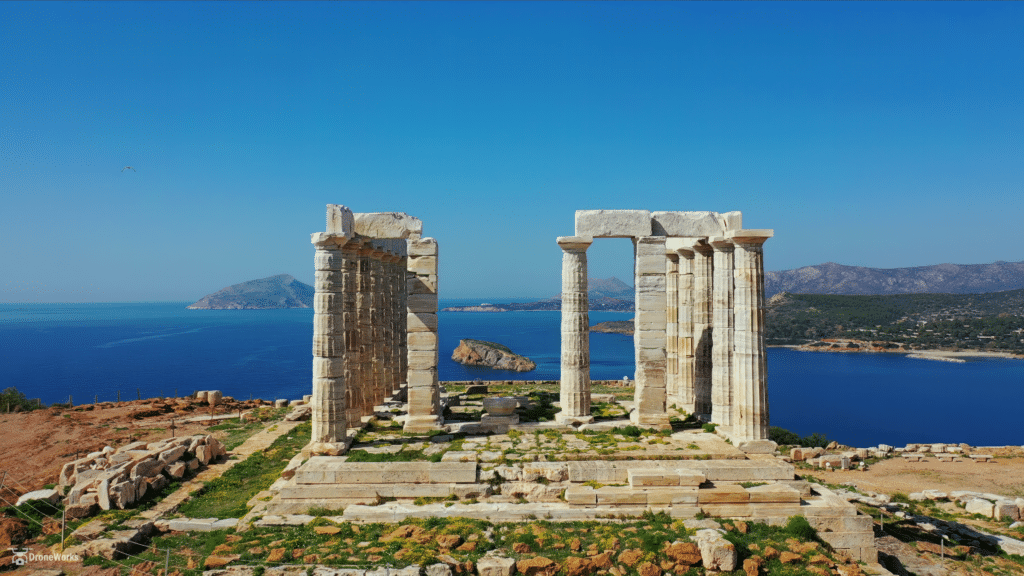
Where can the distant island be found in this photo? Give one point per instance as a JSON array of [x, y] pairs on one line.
[[491, 355], [605, 295], [281, 291], [614, 327]]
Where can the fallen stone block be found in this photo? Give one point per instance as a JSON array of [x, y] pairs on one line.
[[716, 552], [1006, 509], [48, 495], [980, 506]]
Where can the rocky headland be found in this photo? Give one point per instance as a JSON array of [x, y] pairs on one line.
[[614, 327], [281, 291], [490, 355]]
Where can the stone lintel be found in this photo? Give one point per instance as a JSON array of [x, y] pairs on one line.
[[340, 220], [574, 242], [388, 225], [687, 224], [329, 239], [613, 223], [676, 245], [750, 236]]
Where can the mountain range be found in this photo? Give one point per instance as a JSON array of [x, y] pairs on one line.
[[284, 291], [832, 278]]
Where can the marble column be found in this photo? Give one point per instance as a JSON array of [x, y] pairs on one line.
[[387, 327], [703, 282], [401, 319], [750, 386], [353, 360], [649, 333], [423, 389], [329, 418], [397, 325], [364, 299], [685, 355], [377, 324], [575, 378], [722, 320], [672, 326]]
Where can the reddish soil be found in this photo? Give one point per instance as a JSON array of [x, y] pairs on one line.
[[35, 445]]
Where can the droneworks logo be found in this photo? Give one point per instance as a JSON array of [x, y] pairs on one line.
[[23, 556]]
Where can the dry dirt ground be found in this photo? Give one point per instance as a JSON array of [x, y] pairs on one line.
[[35, 445], [1004, 475]]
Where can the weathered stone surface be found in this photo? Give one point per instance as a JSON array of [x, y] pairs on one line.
[[495, 565], [613, 223], [539, 566], [685, 553], [980, 506], [687, 224], [716, 552], [48, 495], [387, 225]]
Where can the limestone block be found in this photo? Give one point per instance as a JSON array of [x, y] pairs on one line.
[[280, 403], [48, 495], [158, 483], [581, 495], [859, 523], [422, 303], [192, 464], [734, 510], [122, 494], [387, 225], [934, 495], [723, 494], [758, 447], [203, 454], [980, 506], [455, 472], [620, 495], [716, 552], [650, 265], [613, 223], [495, 565], [687, 224], [848, 540], [422, 284], [777, 493], [690, 477], [147, 468], [103, 495], [1006, 509], [421, 322], [422, 265], [340, 220], [422, 341], [171, 455], [175, 470], [657, 477], [796, 454]]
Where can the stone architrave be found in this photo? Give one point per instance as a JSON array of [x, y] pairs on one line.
[[575, 377], [722, 320], [649, 332], [329, 385], [685, 396], [671, 325], [353, 361], [703, 283], [750, 386], [365, 304], [424, 395]]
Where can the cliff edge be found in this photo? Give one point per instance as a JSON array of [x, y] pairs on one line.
[[490, 355]]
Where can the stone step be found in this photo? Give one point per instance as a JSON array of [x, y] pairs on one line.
[[617, 472], [370, 492], [322, 470]]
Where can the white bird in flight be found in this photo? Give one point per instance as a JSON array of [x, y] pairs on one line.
[[127, 167]]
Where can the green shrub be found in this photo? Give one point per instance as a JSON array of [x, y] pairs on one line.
[[799, 526]]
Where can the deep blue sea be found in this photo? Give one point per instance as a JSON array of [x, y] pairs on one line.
[[50, 351]]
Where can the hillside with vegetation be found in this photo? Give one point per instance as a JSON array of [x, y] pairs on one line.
[[991, 322]]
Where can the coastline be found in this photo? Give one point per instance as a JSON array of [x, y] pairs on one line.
[[923, 354]]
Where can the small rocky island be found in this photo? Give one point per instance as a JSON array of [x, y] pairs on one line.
[[281, 291], [490, 355], [614, 327]]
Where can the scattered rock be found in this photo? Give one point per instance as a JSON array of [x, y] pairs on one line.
[[630, 557], [219, 561], [539, 566], [789, 558], [649, 569], [716, 552], [495, 565], [686, 553], [752, 566], [276, 555], [575, 566]]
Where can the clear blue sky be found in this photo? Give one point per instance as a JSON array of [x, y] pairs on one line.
[[873, 134]]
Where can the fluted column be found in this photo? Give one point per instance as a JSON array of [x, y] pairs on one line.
[[672, 326], [387, 327], [364, 298], [703, 282], [421, 322], [722, 349], [397, 327], [353, 334], [575, 378], [750, 386], [329, 385], [685, 357], [649, 334], [401, 320]]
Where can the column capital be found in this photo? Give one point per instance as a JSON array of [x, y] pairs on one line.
[[757, 237], [682, 246], [721, 243], [574, 243], [329, 240]]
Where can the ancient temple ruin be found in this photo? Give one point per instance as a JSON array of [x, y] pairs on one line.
[[375, 321], [699, 327]]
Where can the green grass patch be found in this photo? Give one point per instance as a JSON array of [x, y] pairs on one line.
[[225, 497]]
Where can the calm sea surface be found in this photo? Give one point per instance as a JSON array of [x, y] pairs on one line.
[[51, 351]]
